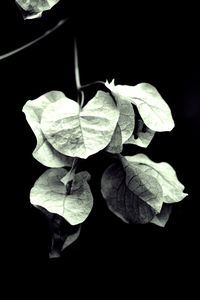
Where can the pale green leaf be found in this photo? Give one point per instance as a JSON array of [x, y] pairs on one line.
[[34, 8], [80, 132], [164, 174], [44, 152], [130, 194], [154, 111], [143, 138], [72, 201], [162, 218]]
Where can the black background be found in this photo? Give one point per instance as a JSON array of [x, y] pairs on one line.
[[132, 43]]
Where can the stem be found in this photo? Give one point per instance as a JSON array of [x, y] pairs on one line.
[[69, 176], [92, 83], [80, 94], [77, 75], [60, 23]]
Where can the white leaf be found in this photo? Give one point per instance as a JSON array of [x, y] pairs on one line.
[[153, 109], [162, 218], [165, 175], [78, 132], [72, 201], [34, 8], [143, 138], [44, 152]]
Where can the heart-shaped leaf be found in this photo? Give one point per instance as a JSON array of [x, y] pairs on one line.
[[73, 200], [80, 132], [34, 8], [153, 109], [44, 152]]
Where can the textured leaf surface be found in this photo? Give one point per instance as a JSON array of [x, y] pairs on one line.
[[135, 189], [126, 120], [80, 132], [165, 175], [162, 218], [72, 201], [34, 8], [144, 135], [153, 109], [115, 145], [129, 196], [44, 152]]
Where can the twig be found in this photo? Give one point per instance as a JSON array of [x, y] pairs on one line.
[[77, 74], [8, 54]]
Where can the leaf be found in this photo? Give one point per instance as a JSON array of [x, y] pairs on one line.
[[162, 218], [44, 152], [165, 175], [143, 138], [153, 109], [62, 234], [80, 132], [124, 128], [34, 8], [130, 194], [126, 120], [115, 145], [72, 201]]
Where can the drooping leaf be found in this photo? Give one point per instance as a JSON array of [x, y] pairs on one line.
[[34, 8], [164, 174], [162, 218], [131, 195], [73, 200], [143, 137], [80, 132], [44, 152], [153, 109], [62, 234]]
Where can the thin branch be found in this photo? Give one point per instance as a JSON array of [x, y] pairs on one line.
[[60, 23], [92, 83], [76, 67]]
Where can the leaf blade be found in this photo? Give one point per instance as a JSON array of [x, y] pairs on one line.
[[154, 111], [50, 193], [34, 8], [165, 174], [143, 138], [122, 200], [44, 152], [80, 133]]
